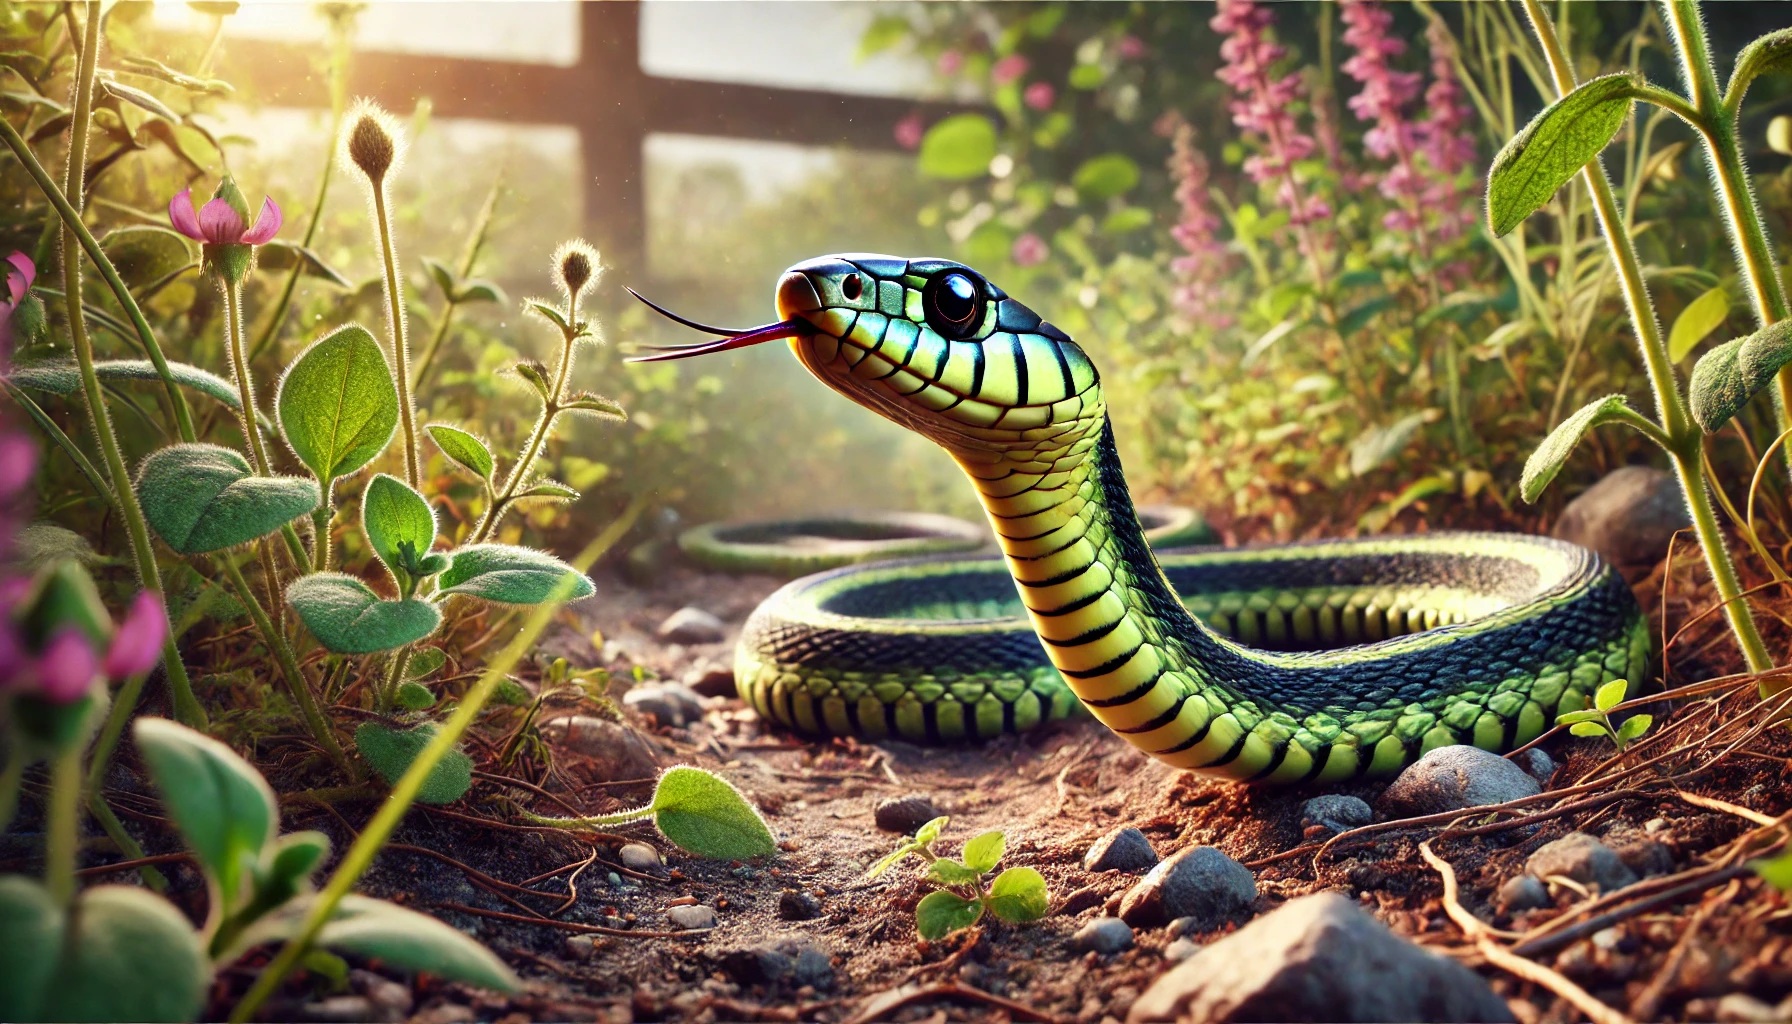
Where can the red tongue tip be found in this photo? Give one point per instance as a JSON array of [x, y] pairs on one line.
[[770, 332]]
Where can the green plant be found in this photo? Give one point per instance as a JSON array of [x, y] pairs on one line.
[[1017, 895], [697, 810], [1597, 721]]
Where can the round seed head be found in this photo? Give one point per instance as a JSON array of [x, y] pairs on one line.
[[576, 264], [373, 142]]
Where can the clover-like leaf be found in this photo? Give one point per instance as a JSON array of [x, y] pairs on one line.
[[1725, 378], [507, 574], [985, 851], [465, 449], [704, 814], [391, 751], [1610, 695], [1552, 454], [1565, 137], [338, 403], [940, 913], [223, 808], [400, 525], [31, 932], [1019, 895], [200, 498], [347, 617]]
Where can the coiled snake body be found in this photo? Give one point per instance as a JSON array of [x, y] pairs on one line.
[[1454, 638]]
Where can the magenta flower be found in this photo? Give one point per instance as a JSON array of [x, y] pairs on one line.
[[1447, 141], [1029, 250], [1202, 268], [1008, 69], [1039, 95], [137, 643], [18, 464], [67, 667], [1131, 47], [19, 273], [909, 131], [218, 222], [949, 63]]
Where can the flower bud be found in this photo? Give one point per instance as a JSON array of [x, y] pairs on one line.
[[67, 667], [373, 141], [577, 265], [137, 643]]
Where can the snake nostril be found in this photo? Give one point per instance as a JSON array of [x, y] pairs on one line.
[[852, 287]]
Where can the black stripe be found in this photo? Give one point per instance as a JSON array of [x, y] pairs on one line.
[[1189, 744], [1229, 756], [852, 717], [1064, 366], [1053, 581], [1275, 761], [1091, 636], [1036, 536], [1160, 721], [1007, 715], [1319, 761], [913, 344], [1104, 668], [1077, 605], [976, 371], [1020, 371], [930, 720], [1131, 695], [890, 729], [1060, 549]]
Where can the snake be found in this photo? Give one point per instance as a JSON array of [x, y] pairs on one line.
[[1299, 663]]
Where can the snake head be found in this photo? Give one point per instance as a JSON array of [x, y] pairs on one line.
[[929, 343]]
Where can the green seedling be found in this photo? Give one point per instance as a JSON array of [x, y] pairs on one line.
[[1597, 721], [1017, 895]]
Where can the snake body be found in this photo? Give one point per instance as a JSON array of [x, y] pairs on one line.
[[1446, 638]]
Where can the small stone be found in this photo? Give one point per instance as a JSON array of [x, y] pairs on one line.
[[691, 918], [339, 1010], [668, 703], [713, 680], [691, 625], [445, 1013], [1102, 935], [797, 905], [904, 814], [1451, 778], [641, 857], [1537, 764], [615, 751], [1318, 957], [1124, 849], [1641, 854], [1181, 950], [1198, 882], [1180, 927], [1523, 892], [1582, 858], [391, 1000], [1628, 516], [580, 947], [1335, 813], [775, 963]]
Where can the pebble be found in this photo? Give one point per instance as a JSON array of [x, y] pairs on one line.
[[580, 947], [712, 680], [691, 918], [1318, 957], [391, 1000], [692, 625], [1102, 935], [641, 857], [1124, 849], [1582, 858], [797, 905], [340, 1010], [904, 814], [1451, 778], [1198, 882], [1537, 764], [668, 703], [445, 1013], [775, 963], [1334, 813], [614, 750], [1180, 927], [1628, 516], [1181, 950], [1523, 892]]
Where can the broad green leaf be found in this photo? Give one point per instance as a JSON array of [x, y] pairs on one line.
[[705, 815], [480, 290], [40, 544], [1552, 454], [940, 913], [1633, 727], [1775, 871], [31, 928], [1377, 445], [958, 148], [425, 662], [1585, 715], [1126, 220], [133, 957], [1358, 318], [347, 617], [338, 403], [297, 855], [390, 752], [1566, 136], [414, 696], [200, 498], [946, 871], [930, 831], [223, 808], [279, 255], [1105, 177], [508, 574], [1696, 322], [144, 254], [1725, 378], [399, 523], [985, 851], [63, 377], [413, 941], [1610, 695], [1770, 54], [1589, 729], [1018, 895]]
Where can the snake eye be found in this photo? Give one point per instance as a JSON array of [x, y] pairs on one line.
[[954, 305], [852, 286]]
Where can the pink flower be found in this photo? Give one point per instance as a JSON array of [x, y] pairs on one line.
[[909, 131], [949, 63], [67, 667], [18, 464], [19, 273], [1029, 250], [1039, 95], [137, 643], [1199, 273], [1131, 47], [1008, 69], [220, 223]]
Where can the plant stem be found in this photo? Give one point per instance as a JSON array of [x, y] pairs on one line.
[[127, 844], [321, 518], [122, 706], [413, 467], [594, 821], [360, 856], [436, 337], [239, 367], [12, 778], [62, 825], [1683, 435], [550, 409], [475, 241]]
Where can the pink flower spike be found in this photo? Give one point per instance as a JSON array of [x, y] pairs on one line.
[[137, 645], [219, 224], [1029, 249], [67, 667], [267, 224], [18, 280], [909, 131], [1039, 95], [181, 215], [1008, 69]]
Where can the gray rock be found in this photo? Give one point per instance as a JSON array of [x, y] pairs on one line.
[[641, 857], [1124, 849], [1317, 958], [1199, 882], [391, 1000], [1102, 935], [904, 814], [1181, 950], [1628, 516], [669, 703], [1646, 857], [616, 751], [1582, 858], [690, 625], [581, 947], [1537, 765], [691, 918], [797, 905], [1522, 892], [1451, 778], [780, 962], [1335, 812]]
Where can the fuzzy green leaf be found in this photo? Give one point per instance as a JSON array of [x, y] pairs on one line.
[[479, 290], [413, 941], [946, 871], [537, 376], [347, 617], [338, 403], [705, 815], [390, 752], [1696, 322], [31, 929], [425, 662], [1019, 895], [552, 490], [441, 275], [985, 851], [200, 498], [136, 97], [1770, 54], [144, 253], [297, 855], [594, 405], [414, 696], [1105, 177], [958, 148], [223, 808], [552, 315], [507, 574], [940, 913], [467, 451], [133, 957], [1566, 136], [1725, 378], [400, 525], [63, 377], [278, 255], [1552, 454], [1610, 695]]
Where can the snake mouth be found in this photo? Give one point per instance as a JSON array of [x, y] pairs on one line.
[[730, 338]]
